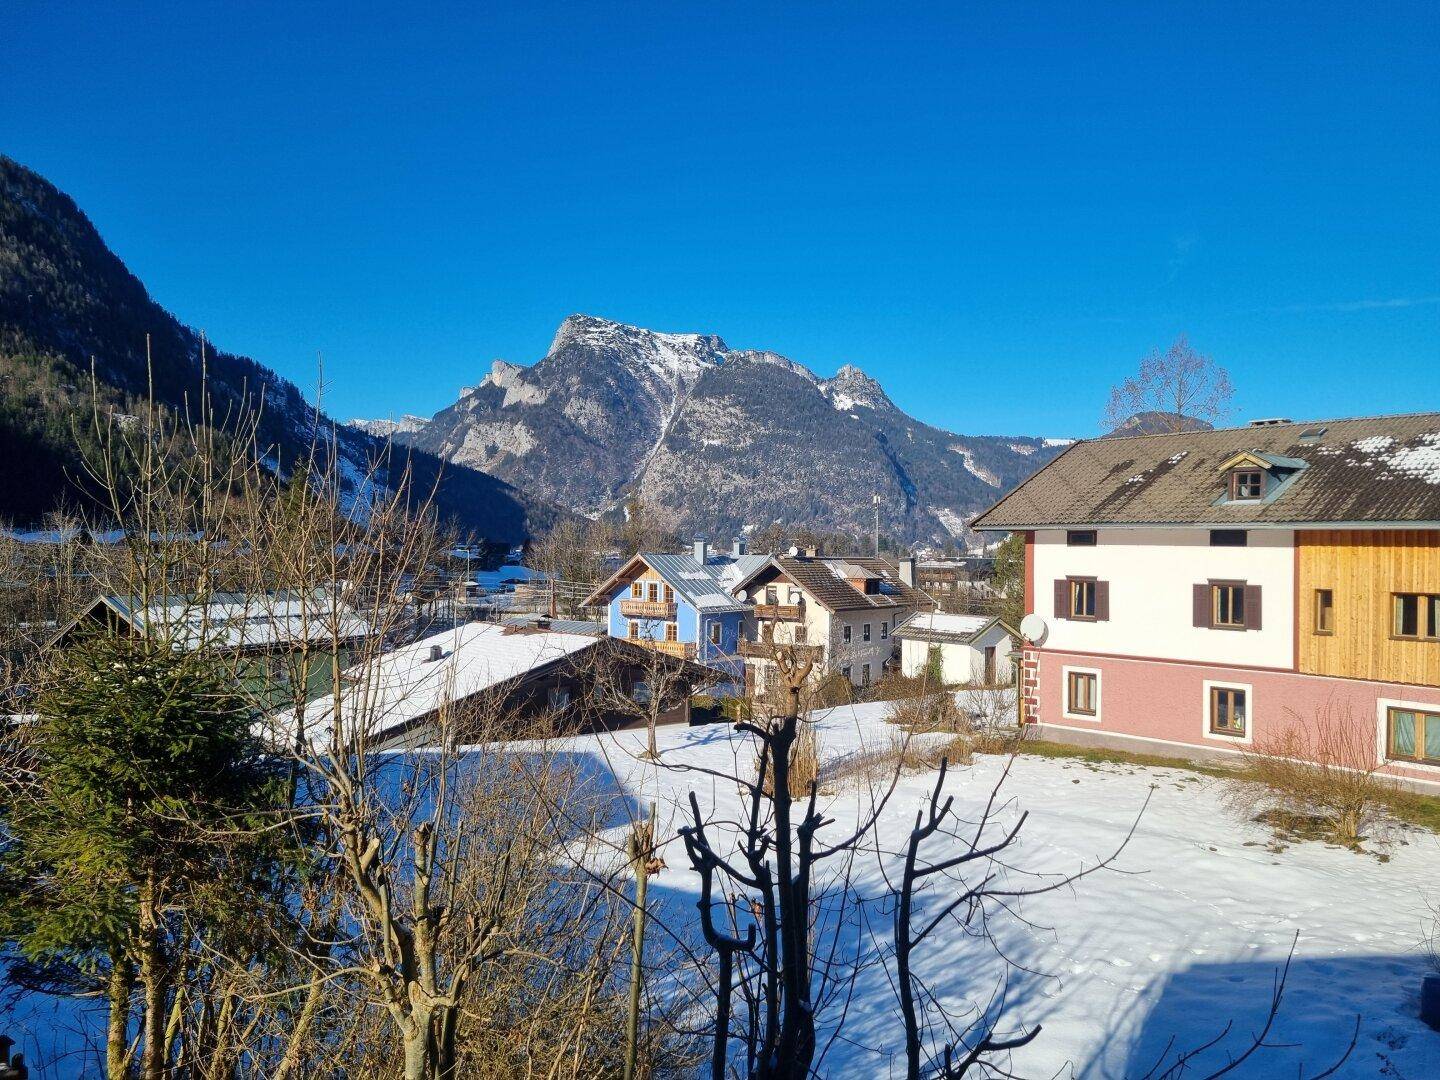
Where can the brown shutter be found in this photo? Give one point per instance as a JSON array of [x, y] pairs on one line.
[[1102, 601], [1252, 607], [1202, 605], [1062, 598]]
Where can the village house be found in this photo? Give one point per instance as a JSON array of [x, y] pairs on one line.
[[1208, 589], [260, 633], [844, 610], [483, 680], [959, 649], [680, 604], [962, 584]]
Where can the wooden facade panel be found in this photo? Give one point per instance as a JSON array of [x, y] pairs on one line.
[[1364, 568]]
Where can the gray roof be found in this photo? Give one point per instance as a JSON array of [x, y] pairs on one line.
[[1368, 470], [236, 620], [704, 587]]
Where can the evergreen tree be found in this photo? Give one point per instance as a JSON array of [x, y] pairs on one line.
[[133, 828]]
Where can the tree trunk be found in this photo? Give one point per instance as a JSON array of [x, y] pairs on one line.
[[117, 994], [152, 983], [637, 959]]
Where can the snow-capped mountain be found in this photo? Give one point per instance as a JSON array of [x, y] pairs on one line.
[[384, 429], [714, 439]]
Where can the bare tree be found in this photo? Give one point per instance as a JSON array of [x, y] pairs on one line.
[[1173, 388]]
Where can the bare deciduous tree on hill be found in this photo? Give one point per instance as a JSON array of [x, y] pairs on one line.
[[1172, 388]]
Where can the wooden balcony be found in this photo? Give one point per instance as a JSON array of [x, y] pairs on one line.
[[647, 609], [765, 650], [685, 650], [782, 612]]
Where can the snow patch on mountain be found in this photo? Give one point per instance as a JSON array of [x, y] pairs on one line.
[[670, 358], [975, 469], [954, 524]]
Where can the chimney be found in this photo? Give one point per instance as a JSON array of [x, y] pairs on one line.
[[436, 653], [738, 547], [701, 550], [907, 570], [812, 551]]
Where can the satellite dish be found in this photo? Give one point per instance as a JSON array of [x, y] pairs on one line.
[[1033, 628]]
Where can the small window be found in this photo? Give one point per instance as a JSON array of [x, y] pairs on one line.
[[864, 674], [654, 592], [1080, 537], [637, 590], [715, 633], [1080, 693], [772, 594], [669, 595], [1324, 611], [1417, 616], [1247, 484], [865, 632], [884, 631], [799, 634], [845, 635], [634, 629], [1227, 711], [846, 671], [672, 632], [1082, 598], [1412, 735], [559, 697], [1229, 538], [1227, 606]]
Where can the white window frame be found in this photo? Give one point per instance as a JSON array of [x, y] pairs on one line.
[[1065, 692], [1382, 718], [1225, 684]]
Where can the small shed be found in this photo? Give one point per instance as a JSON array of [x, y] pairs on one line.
[[967, 648]]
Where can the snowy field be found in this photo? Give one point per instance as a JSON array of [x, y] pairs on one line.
[[1184, 933]]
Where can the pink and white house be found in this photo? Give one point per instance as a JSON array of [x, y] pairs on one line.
[[1206, 589]]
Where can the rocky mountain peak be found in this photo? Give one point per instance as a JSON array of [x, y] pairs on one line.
[[682, 354], [851, 387]]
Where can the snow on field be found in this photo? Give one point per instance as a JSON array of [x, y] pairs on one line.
[[1184, 934]]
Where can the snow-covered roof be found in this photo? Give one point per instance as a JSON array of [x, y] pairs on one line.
[[942, 626], [239, 620], [406, 684]]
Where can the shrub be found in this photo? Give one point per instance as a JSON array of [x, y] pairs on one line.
[[1317, 780], [927, 712]]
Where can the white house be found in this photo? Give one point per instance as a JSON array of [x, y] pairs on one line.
[[970, 648]]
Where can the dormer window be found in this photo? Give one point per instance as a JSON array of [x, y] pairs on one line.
[[1247, 484]]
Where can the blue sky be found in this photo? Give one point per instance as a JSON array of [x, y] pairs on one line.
[[996, 210]]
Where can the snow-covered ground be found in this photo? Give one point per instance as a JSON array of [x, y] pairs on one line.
[[1182, 935]]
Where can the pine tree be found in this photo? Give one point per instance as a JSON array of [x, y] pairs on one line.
[[133, 823]]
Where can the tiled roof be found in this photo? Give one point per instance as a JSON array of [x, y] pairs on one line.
[[1362, 471], [823, 579]]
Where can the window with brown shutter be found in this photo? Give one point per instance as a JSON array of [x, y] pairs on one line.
[[1226, 605], [1086, 599]]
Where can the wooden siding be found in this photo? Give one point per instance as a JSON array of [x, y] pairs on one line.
[[1364, 568]]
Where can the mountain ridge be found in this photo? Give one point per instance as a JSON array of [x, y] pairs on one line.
[[717, 439], [70, 306]]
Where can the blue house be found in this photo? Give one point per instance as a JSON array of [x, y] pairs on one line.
[[679, 604]]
